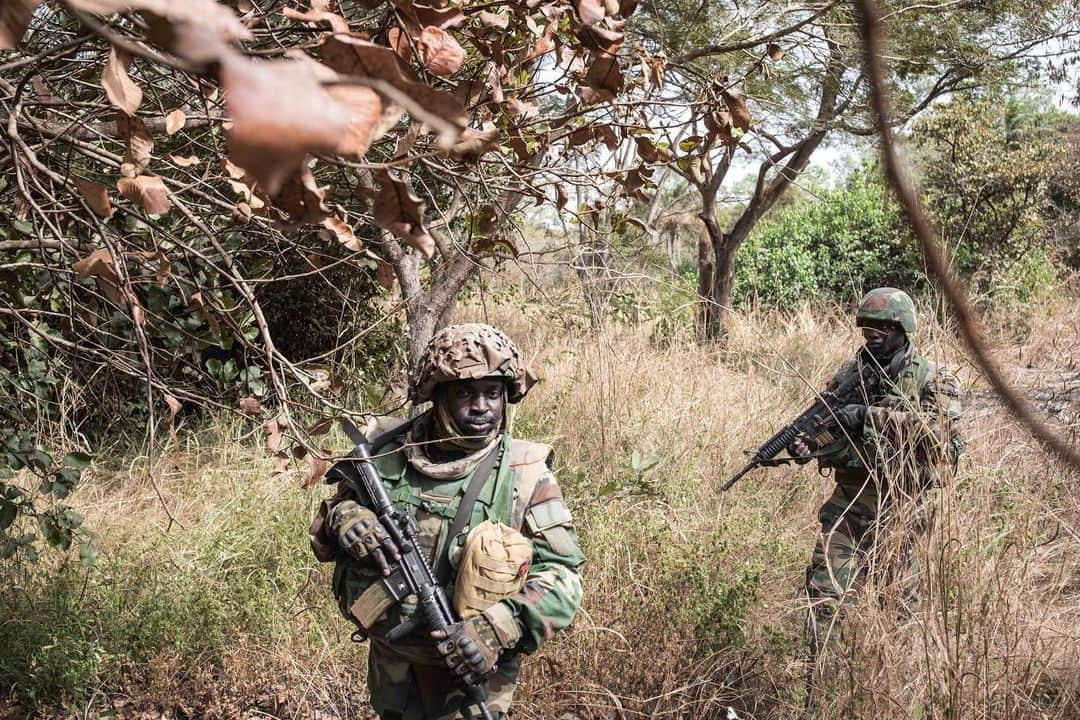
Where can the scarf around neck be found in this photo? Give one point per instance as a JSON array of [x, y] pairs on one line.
[[426, 435]]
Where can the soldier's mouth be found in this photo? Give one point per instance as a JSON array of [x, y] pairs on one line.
[[479, 427]]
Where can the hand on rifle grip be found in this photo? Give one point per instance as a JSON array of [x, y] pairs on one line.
[[361, 535], [800, 451]]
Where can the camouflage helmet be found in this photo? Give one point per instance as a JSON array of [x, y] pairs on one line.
[[887, 304], [470, 352]]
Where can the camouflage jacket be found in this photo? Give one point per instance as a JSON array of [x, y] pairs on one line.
[[911, 421], [522, 493]]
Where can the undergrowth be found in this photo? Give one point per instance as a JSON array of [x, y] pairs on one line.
[[693, 600]]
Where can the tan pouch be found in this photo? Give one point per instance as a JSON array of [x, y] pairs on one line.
[[371, 604], [493, 566]]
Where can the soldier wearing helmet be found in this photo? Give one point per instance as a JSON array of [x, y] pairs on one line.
[[899, 437], [493, 524]]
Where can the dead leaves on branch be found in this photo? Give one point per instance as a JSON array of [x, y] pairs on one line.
[[397, 208], [15, 17], [146, 191], [280, 114], [96, 196], [123, 92], [439, 51]]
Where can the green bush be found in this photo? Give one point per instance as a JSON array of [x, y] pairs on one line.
[[828, 248], [188, 595]]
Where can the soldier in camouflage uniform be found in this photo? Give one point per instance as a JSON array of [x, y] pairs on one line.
[[898, 437], [512, 570]]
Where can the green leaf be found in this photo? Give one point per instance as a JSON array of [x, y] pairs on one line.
[[690, 143], [77, 460], [88, 553], [8, 512]]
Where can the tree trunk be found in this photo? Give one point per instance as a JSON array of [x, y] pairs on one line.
[[703, 319]]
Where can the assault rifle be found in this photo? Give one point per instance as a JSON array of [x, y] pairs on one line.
[[411, 575], [817, 424]]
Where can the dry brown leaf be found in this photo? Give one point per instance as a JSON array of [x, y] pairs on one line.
[[15, 17], [401, 212], [645, 149], [363, 104], [493, 20], [207, 13], [196, 299], [740, 114], [281, 463], [523, 108], [174, 408], [100, 265], [174, 405], [598, 37], [232, 169], [139, 145], [321, 427], [603, 77], [146, 191], [164, 266], [280, 113], [174, 121], [272, 429], [250, 406], [544, 44], [318, 13], [352, 56], [317, 468], [590, 11], [440, 17], [121, 89], [343, 233], [439, 51], [96, 196], [475, 143], [184, 161], [301, 198], [400, 41], [384, 274]]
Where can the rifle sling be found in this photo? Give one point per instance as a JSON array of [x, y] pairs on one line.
[[464, 511]]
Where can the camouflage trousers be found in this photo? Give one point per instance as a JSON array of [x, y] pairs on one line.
[[863, 535], [403, 690]]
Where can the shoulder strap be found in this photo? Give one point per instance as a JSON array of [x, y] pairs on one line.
[[464, 511]]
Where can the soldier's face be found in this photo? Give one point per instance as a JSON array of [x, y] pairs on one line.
[[476, 405], [882, 338]]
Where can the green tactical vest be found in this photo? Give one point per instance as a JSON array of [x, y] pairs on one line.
[[904, 393], [434, 503]]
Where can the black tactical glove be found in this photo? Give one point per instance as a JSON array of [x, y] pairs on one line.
[[471, 647], [852, 416], [360, 534], [799, 450]]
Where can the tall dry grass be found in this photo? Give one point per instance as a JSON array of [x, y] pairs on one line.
[[693, 601]]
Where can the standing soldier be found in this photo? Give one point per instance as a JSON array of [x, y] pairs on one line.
[[898, 437], [493, 525]]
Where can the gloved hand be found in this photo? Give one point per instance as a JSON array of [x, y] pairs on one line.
[[852, 416], [360, 534], [471, 647], [799, 450]]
